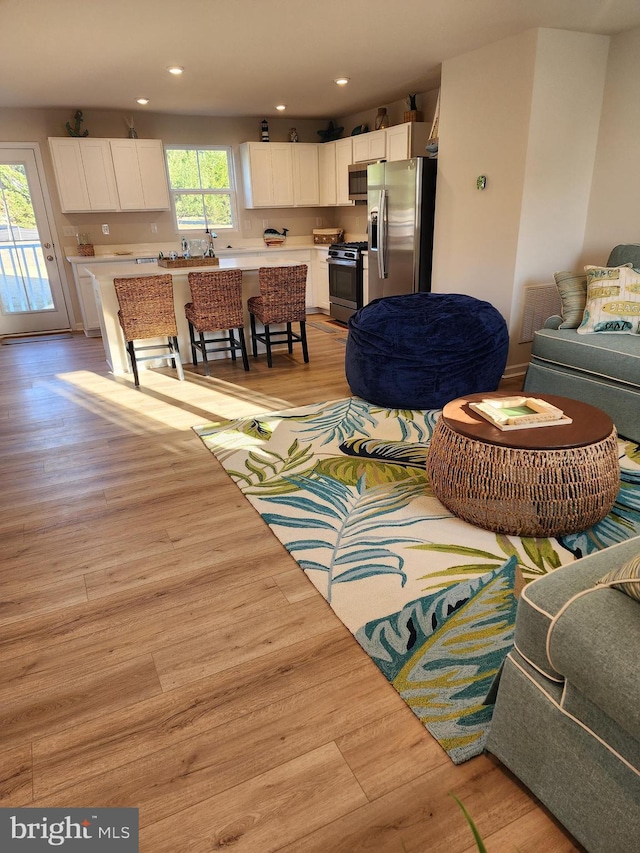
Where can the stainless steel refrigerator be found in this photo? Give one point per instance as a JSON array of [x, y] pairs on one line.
[[401, 207]]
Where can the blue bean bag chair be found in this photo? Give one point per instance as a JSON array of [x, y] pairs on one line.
[[421, 350]]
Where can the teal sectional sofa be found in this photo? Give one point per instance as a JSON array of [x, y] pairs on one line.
[[601, 369], [567, 714]]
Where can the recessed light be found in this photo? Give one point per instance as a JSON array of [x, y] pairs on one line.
[[281, 107], [341, 81], [175, 69], [142, 101]]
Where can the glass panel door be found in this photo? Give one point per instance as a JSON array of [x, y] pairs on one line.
[[31, 296]]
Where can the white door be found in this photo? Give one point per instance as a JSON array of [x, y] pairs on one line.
[[31, 295]]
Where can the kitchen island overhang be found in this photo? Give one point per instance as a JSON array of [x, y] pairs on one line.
[[103, 274]]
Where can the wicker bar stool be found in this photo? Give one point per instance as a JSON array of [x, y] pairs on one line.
[[146, 311], [216, 306], [282, 300]]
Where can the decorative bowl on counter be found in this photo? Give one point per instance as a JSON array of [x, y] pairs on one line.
[[274, 238]]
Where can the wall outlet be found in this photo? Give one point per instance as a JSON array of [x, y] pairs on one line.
[[105, 229], [265, 223], [154, 227], [246, 226], [357, 221], [319, 221], [69, 231]]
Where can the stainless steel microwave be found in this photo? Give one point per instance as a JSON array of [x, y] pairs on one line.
[[358, 180]]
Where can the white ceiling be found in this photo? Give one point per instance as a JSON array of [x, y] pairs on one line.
[[242, 57]]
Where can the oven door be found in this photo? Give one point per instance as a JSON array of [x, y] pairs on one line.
[[345, 288]]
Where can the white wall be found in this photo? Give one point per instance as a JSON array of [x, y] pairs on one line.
[[614, 213], [561, 149], [485, 103], [524, 112]]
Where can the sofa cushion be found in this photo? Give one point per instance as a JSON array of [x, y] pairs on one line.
[[626, 578], [572, 288], [614, 357], [542, 600], [625, 253], [613, 301], [593, 643]]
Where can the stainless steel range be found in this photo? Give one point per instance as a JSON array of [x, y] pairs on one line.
[[345, 279]]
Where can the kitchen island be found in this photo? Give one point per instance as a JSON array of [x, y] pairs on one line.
[[103, 274]]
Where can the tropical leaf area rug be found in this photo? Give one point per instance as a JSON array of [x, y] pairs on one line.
[[428, 596]]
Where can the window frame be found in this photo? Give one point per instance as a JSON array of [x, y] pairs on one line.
[[231, 191]]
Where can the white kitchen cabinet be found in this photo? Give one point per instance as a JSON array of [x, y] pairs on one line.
[[267, 173], [334, 162], [344, 158], [88, 308], [109, 174], [370, 146], [86, 298], [306, 181], [327, 167], [321, 279], [280, 174], [84, 174], [140, 174], [407, 140]]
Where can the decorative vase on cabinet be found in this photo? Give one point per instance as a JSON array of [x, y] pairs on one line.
[[382, 119]]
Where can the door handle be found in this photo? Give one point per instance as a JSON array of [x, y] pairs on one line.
[[382, 235], [49, 257]]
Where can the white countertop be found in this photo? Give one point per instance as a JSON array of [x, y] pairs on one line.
[[128, 254], [133, 270], [125, 256]]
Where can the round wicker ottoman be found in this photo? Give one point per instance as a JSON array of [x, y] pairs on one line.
[[547, 481]]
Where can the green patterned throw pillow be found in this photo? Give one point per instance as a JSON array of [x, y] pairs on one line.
[[572, 288], [613, 301], [626, 578]]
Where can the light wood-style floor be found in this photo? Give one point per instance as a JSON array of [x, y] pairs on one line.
[[160, 649]]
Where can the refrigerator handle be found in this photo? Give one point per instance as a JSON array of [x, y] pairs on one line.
[[382, 234], [372, 230]]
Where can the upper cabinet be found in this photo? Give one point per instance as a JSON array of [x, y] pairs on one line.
[[109, 174], [335, 159], [328, 174], [280, 174], [306, 177], [399, 142], [140, 174], [285, 174], [84, 174], [344, 158], [370, 146], [407, 140], [267, 174]]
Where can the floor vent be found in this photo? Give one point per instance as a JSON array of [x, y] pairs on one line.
[[540, 302]]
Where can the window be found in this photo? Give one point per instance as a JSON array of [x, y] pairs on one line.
[[202, 186]]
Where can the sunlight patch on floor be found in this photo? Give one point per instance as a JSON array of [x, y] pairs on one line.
[[162, 400]]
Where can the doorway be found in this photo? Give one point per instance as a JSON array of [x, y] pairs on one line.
[[31, 293]]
